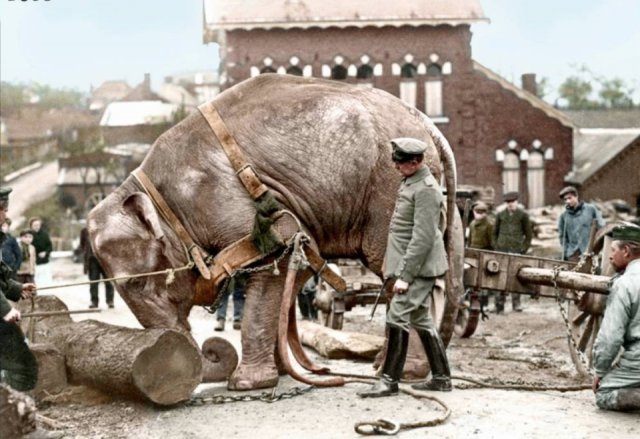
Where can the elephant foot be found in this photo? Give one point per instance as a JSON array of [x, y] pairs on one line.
[[248, 377]]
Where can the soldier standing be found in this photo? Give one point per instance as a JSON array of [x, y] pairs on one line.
[[18, 366], [415, 258], [512, 234]]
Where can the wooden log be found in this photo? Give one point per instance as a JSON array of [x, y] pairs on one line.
[[17, 413], [52, 374], [160, 365], [564, 279], [219, 361], [339, 344]]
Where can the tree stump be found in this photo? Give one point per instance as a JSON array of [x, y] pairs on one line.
[[219, 361], [17, 413]]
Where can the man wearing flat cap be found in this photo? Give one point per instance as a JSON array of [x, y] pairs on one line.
[[480, 237], [18, 366], [415, 258], [512, 233], [574, 225], [617, 384]]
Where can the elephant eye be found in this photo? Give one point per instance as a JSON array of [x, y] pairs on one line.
[[136, 283]]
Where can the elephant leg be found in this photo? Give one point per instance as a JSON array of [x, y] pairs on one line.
[[258, 368]]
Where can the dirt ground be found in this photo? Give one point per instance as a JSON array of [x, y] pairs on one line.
[[526, 346]]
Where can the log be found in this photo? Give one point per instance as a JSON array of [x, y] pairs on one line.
[[159, 365], [17, 413], [334, 344], [52, 374], [219, 360], [564, 279]]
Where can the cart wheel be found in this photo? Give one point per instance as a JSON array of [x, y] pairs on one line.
[[468, 316], [584, 330]]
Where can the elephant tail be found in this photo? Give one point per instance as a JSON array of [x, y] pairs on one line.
[[451, 182]]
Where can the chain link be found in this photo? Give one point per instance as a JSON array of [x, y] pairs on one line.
[[264, 397]]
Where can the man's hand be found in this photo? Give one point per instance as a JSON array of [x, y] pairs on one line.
[[400, 287], [596, 384], [12, 316], [28, 290]]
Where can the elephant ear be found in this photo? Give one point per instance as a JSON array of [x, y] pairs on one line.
[[140, 206]]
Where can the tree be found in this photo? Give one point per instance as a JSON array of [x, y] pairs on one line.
[[615, 94], [543, 88], [576, 92], [12, 97]]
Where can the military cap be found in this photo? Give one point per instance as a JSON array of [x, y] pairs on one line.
[[407, 148], [625, 232], [4, 196], [480, 206], [511, 196], [568, 190]]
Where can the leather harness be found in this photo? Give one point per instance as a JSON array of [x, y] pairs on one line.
[[243, 252]]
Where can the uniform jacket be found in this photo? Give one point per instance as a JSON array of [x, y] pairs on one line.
[[42, 243], [415, 247], [28, 265], [574, 226], [9, 288], [481, 233], [512, 232], [620, 328], [11, 253]]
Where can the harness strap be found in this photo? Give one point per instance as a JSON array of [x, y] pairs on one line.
[[244, 170], [195, 251]]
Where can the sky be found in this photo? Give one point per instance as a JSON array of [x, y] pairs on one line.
[[79, 43]]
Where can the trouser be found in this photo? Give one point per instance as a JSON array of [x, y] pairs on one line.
[[619, 399], [305, 303], [238, 304], [413, 308], [18, 366], [95, 273]]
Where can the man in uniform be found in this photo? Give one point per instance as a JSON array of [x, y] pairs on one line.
[[574, 225], [512, 234], [18, 367], [617, 386], [415, 258]]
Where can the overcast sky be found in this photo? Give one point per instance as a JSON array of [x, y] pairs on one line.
[[76, 43]]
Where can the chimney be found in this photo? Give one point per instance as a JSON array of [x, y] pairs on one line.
[[529, 83], [147, 81]]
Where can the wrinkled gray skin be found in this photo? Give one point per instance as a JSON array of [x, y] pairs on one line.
[[323, 149]]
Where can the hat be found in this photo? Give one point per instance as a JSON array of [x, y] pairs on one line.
[[4, 193], [406, 149], [568, 190], [511, 196], [480, 206], [625, 232]]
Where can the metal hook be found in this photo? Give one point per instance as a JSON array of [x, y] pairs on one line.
[[383, 427]]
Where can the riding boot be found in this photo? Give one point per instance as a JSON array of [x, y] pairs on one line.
[[628, 399], [440, 373], [393, 365]]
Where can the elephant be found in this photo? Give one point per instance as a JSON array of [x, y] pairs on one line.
[[323, 150]]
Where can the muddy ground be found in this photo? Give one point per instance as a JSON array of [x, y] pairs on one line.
[[526, 346]]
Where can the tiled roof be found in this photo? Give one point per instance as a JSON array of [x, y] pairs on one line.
[[286, 14], [137, 113], [33, 122], [605, 118]]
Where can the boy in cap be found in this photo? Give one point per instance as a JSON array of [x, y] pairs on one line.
[[415, 258], [574, 225], [480, 237], [617, 384], [512, 233]]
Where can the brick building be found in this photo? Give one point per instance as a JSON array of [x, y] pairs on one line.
[[503, 136]]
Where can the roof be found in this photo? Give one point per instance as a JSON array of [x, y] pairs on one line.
[[535, 101], [605, 118], [137, 113], [34, 122], [228, 15], [111, 90], [69, 176], [594, 148]]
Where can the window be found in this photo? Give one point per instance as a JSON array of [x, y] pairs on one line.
[[408, 86], [294, 70], [339, 72], [365, 71], [433, 91], [510, 173], [535, 179], [268, 69]]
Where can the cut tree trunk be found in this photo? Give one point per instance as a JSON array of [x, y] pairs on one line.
[[17, 413], [331, 343], [219, 361], [160, 365]]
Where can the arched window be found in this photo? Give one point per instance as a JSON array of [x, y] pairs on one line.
[[294, 70], [408, 86], [535, 179], [365, 71], [268, 69], [339, 72], [433, 90], [510, 173]]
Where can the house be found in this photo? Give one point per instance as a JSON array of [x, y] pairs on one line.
[[107, 92], [504, 137], [607, 154], [190, 89]]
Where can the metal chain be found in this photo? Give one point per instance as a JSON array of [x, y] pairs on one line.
[[264, 397], [565, 318]]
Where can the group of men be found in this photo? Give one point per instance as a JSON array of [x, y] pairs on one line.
[[415, 258]]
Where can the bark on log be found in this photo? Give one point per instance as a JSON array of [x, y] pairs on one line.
[[17, 413], [219, 360], [160, 365], [339, 344], [565, 279], [52, 373]]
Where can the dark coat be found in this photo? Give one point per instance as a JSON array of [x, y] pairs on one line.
[[11, 253], [512, 232], [42, 243]]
